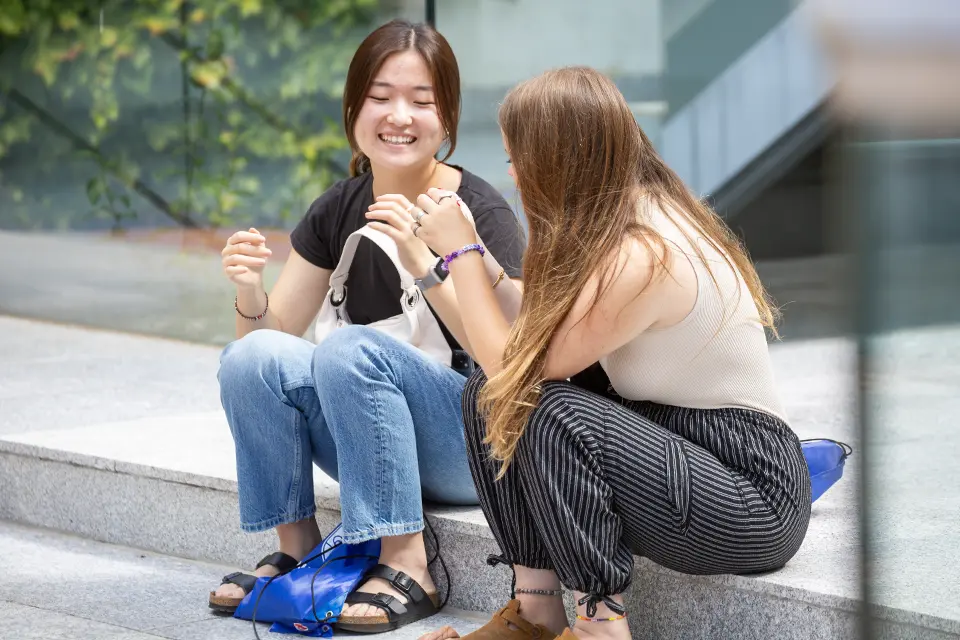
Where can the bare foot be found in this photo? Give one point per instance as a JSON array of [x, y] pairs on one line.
[[296, 539], [401, 553], [234, 591]]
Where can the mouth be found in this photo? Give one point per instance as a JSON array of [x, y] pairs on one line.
[[397, 140]]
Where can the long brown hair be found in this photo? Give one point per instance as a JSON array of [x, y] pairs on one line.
[[582, 164], [398, 36]]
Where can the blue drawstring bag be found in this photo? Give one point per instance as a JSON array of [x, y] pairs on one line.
[[825, 460], [308, 599]]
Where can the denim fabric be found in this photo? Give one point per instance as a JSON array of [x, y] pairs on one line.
[[372, 412]]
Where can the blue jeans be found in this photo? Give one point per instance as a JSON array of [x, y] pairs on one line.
[[374, 413]]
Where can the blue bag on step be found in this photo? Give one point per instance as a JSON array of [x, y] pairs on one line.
[[825, 460], [308, 599]]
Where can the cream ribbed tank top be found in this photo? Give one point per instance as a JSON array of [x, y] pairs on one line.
[[716, 357]]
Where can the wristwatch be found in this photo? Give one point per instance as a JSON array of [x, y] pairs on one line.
[[434, 276]]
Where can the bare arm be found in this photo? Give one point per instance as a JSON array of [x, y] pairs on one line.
[[590, 331], [294, 301]]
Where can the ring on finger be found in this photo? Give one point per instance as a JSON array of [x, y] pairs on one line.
[[410, 208], [418, 215], [415, 227], [442, 197]]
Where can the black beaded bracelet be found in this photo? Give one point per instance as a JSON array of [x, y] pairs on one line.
[[540, 592], [236, 306]]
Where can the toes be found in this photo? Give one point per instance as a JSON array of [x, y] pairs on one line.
[[443, 633], [229, 591]]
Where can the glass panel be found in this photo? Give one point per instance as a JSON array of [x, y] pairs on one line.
[[909, 247], [137, 135], [729, 91]]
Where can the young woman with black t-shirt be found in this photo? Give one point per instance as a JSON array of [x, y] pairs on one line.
[[373, 412]]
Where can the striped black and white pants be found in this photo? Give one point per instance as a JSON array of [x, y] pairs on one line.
[[597, 479]]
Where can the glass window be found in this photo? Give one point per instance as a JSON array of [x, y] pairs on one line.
[[137, 135]]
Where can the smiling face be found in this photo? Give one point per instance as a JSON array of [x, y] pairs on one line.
[[399, 125]]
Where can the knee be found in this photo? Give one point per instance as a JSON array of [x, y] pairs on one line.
[[349, 351], [251, 357], [552, 415]]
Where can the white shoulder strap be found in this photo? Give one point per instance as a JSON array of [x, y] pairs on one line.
[[382, 240], [386, 243]]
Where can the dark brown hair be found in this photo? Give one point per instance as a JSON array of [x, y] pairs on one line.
[[398, 36], [583, 168]]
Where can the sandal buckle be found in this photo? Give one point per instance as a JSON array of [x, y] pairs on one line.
[[403, 582], [382, 599]]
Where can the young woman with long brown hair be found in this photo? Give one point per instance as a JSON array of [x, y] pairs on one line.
[[685, 455], [370, 410]]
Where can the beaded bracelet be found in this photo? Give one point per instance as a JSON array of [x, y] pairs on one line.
[[236, 306], [459, 252], [611, 619]]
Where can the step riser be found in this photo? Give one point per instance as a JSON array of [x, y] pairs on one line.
[[202, 523]]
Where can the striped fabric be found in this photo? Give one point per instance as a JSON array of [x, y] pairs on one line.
[[598, 479]]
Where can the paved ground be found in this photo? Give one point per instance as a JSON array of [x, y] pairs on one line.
[[158, 290], [59, 587]]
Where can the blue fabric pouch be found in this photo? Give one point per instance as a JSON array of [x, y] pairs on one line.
[[307, 600], [825, 460]]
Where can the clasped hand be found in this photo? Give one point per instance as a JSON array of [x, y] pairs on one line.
[[435, 223]]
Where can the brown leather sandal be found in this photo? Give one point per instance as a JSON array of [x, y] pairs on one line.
[[499, 627]]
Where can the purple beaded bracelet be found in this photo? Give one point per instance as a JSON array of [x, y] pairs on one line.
[[459, 252]]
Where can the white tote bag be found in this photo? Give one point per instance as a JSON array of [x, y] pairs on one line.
[[415, 324]]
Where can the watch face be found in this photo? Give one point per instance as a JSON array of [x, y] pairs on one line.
[[440, 272]]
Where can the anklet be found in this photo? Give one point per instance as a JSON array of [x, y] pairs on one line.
[[540, 592], [613, 619]]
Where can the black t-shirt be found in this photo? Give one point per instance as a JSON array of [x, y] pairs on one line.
[[374, 283]]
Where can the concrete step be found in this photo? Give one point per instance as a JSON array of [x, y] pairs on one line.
[[165, 481], [63, 586]]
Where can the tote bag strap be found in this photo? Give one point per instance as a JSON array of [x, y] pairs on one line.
[[339, 278]]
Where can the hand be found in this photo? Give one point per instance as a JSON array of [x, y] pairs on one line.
[[244, 258], [393, 214], [444, 228]]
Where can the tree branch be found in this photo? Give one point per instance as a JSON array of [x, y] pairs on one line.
[[58, 127], [252, 103]]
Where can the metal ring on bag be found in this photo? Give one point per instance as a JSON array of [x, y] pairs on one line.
[[412, 299], [333, 299]]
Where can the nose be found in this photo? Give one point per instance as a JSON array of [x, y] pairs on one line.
[[400, 115]]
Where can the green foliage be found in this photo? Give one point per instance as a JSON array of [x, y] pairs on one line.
[[214, 112]]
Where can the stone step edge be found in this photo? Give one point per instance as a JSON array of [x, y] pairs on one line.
[[445, 522]]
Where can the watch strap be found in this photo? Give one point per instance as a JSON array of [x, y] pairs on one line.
[[431, 278]]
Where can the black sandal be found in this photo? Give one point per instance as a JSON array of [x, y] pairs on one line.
[[245, 581], [419, 604]]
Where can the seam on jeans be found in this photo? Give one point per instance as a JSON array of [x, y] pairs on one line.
[[295, 486], [270, 523], [377, 532], [380, 463], [296, 384]]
